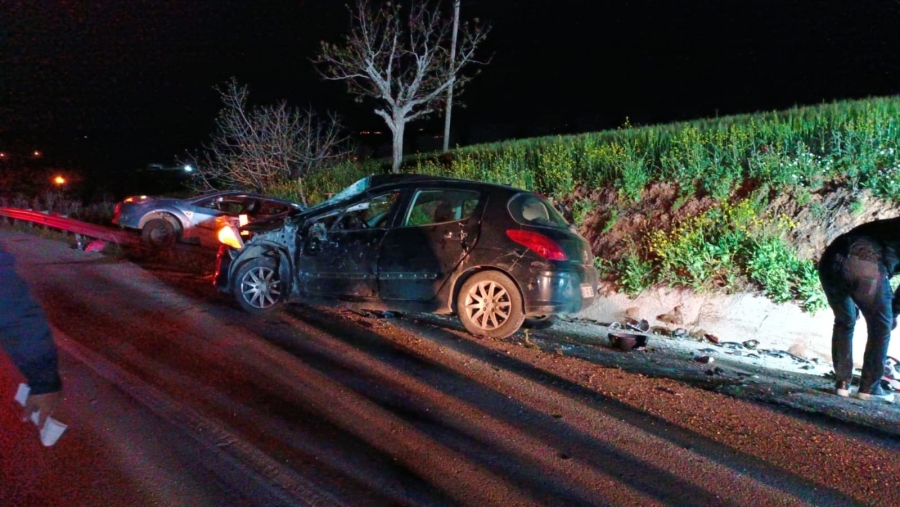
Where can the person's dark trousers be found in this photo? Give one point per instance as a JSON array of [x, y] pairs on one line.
[[851, 280]]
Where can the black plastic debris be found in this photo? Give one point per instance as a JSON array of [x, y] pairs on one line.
[[642, 325], [627, 341]]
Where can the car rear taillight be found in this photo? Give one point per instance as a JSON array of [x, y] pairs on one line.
[[542, 245]]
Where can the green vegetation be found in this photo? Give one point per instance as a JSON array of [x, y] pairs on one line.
[[741, 163], [581, 209]]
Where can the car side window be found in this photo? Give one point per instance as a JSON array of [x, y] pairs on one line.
[[231, 204], [271, 208], [323, 222], [373, 213], [438, 206], [209, 203]]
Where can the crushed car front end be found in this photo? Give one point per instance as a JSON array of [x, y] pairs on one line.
[[257, 257]]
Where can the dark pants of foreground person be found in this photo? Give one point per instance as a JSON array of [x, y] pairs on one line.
[[856, 278]]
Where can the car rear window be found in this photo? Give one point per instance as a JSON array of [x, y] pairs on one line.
[[530, 209]]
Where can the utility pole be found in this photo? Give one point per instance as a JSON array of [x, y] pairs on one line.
[[450, 89]]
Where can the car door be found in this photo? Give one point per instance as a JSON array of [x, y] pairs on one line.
[[439, 228], [339, 259]]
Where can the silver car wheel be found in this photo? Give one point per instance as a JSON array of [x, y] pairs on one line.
[[261, 287], [487, 305]]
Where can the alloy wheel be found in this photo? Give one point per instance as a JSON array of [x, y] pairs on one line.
[[260, 287], [488, 305]]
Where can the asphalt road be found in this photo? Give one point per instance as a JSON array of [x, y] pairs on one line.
[[173, 396]]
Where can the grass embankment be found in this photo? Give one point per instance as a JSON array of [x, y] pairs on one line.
[[737, 165]]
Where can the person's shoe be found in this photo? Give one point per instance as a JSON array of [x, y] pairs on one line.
[[842, 388], [877, 393]]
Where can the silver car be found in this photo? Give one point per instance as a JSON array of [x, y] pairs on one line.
[[163, 221]]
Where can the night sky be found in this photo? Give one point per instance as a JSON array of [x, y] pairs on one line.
[[114, 85]]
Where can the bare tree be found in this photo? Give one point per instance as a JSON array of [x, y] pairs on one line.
[[402, 63], [256, 147]]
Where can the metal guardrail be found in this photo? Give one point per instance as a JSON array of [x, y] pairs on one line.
[[76, 227]]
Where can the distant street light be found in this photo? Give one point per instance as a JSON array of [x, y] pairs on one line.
[[59, 180], [188, 169]]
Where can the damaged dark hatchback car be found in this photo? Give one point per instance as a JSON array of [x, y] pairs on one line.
[[496, 256]]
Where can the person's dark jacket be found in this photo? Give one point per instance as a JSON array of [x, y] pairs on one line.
[[24, 332]]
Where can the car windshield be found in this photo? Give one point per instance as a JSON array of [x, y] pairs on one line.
[[354, 189]]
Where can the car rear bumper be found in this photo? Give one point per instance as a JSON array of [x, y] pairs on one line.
[[564, 290], [125, 216]]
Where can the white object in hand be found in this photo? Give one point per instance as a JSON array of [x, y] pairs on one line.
[[51, 431], [22, 394], [22, 399]]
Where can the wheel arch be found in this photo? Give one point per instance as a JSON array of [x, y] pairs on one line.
[[472, 271], [168, 216], [272, 251]]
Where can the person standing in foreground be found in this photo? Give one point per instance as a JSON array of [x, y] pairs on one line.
[[26, 338], [855, 272]]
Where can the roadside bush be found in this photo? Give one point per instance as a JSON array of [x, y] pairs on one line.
[[729, 246], [634, 275]]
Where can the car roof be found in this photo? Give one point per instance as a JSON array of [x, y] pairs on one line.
[[378, 182], [222, 193]]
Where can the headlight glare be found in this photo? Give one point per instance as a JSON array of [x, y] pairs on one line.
[[229, 236]]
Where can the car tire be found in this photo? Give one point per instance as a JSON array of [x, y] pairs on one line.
[[257, 286], [540, 322], [158, 233], [490, 304]]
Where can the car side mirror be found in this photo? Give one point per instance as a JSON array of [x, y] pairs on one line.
[[318, 231]]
